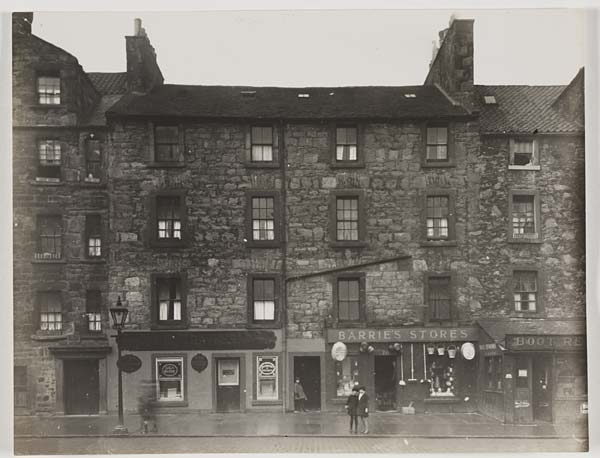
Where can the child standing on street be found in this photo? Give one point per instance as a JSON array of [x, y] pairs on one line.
[[352, 409]]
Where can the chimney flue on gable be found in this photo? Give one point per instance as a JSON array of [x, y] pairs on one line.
[[137, 27], [143, 72]]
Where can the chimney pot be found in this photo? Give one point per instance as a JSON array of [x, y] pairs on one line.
[[137, 26]]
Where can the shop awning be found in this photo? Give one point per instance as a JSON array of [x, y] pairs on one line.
[[535, 334]]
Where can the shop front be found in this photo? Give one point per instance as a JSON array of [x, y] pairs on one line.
[[212, 371], [428, 369], [534, 371]]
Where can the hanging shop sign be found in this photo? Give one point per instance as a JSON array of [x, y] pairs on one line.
[[468, 350], [197, 340], [547, 342], [129, 363], [199, 362], [403, 335], [339, 351]]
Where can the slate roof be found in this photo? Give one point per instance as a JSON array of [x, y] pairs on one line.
[[498, 329], [109, 83], [278, 102], [523, 109]]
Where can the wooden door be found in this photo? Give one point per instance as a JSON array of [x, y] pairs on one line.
[[308, 370], [542, 389], [81, 386], [523, 403], [228, 385]]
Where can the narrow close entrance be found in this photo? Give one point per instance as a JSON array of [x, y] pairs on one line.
[[308, 370], [228, 385], [82, 386], [385, 382], [542, 389]]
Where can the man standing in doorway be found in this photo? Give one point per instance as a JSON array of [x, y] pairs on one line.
[[363, 408], [299, 397]]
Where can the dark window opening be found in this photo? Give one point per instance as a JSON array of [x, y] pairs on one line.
[[525, 290], [523, 216], [263, 219], [262, 144], [48, 88], [93, 309], [93, 237], [93, 159], [439, 298], [169, 299], [168, 212], [348, 297], [438, 217], [49, 243], [49, 159], [346, 144], [347, 218], [166, 144], [263, 299], [437, 144], [50, 308]]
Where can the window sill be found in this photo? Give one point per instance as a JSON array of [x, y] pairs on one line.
[[41, 336], [166, 165], [440, 243], [348, 244], [266, 403], [537, 240], [42, 181], [523, 167], [347, 165], [262, 165], [434, 165], [49, 261], [45, 106], [522, 314], [168, 244]]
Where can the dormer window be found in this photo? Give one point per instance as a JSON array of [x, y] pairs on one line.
[[523, 154], [48, 89]]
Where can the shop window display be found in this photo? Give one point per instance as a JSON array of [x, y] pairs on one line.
[[346, 372], [442, 376]]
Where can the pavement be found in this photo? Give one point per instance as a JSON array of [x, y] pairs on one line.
[[321, 424]]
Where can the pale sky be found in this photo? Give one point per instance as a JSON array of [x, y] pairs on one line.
[[324, 48]]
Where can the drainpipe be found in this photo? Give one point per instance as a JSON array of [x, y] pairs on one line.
[[284, 244]]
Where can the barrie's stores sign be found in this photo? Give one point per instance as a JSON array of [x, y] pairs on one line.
[[403, 335]]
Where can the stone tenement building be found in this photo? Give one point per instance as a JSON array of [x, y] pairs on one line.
[[425, 241]]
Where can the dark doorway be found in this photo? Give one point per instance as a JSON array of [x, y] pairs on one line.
[[81, 386], [308, 370], [385, 382], [542, 389], [228, 385], [523, 401]]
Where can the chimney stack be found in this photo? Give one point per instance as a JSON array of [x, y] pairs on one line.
[[143, 72], [21, 23]]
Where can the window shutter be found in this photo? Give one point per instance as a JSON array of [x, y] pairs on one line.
[[450, 140], [275, 130], [332, 141], [151, 141]]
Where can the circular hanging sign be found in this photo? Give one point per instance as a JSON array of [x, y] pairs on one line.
[[468, 350], [339, 351], [129, 363], [199, 362]]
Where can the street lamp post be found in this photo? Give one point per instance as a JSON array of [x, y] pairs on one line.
[[119, 315]]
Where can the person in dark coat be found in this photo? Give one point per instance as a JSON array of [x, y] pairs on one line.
[[351, 408], [362, 408]]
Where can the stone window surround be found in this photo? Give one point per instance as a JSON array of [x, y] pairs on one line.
[[452, 293], [154, 308], [536, 153], [49, 70], [360, 145], [451, 161], [276, 242], [152, 231], [537, 215], [38, 141], [152, 162], [276, 323], [362, 295], [186, 371], [90, 231], [362, 218], [444, 192], [48, 212], [275, 162], [267, 354], [539, 301]]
